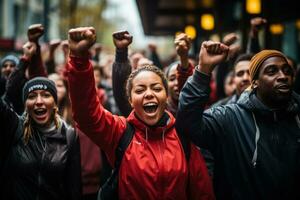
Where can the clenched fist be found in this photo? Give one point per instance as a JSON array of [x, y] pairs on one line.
[[29, 49], [211, 54], [34, 32], [182, 44], [80, 41], [122, 39]]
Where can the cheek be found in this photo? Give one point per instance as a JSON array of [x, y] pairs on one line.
[[29, 106], [135, 100]]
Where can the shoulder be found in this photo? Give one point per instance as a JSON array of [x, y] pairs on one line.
[[225, 113]]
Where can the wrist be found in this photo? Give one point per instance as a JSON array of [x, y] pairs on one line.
[[205, 69], [184, 62], [76, 54]]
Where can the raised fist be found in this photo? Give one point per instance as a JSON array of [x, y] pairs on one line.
[[54, 44], [122, 39], [182, 44], [80, 40], [34, 32], [230, 38], [258, 22], [29, 49], [211, 54]]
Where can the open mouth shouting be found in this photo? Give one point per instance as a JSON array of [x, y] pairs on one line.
[[150, 108], [40, 115]]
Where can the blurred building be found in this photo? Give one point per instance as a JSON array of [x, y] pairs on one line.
[[17, 15], [57, 17], [205, 19]]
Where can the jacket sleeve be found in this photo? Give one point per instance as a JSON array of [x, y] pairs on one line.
[[8, 126], [121, 71], [200, 183], [204, 128], [36, 67], [73, 171], [15, 83], [103, 128], [183, 74], [253, 45], [155, 58]]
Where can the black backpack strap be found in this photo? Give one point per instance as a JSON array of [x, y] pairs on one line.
[[185, 142], [123, 144], [109, 191]]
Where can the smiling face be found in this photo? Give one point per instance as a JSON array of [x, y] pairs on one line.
[[148, 97], [241, 76], [274, 83], [61, 90], [40, 106], [173, 83]]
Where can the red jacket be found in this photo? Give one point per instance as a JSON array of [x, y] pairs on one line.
[[154, 165]]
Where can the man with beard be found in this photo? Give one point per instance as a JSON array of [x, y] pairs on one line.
[[255, 142]]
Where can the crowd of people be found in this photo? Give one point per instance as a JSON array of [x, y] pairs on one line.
[[221, 125]]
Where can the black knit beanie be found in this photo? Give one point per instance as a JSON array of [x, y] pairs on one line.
[[39, 83]]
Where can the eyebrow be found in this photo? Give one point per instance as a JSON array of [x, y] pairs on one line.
[[153, 84]]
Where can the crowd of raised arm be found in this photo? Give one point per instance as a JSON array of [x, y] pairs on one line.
[[79, 123]]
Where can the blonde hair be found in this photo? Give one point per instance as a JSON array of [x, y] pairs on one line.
[[28, 130]]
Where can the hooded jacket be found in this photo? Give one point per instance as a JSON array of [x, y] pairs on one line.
[[154, 165], [47, 167], [256, 150]]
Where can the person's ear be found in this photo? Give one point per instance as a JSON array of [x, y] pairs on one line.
[[254, 84], [130, 102]]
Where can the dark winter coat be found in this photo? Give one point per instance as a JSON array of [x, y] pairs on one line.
[[256, 150], [47, 167]]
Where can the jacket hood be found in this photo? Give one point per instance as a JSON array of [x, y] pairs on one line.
[[249, 101], [153, 131]]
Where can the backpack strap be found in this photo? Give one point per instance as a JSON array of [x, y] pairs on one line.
[[123, 144], [109, 190], [185, 142]]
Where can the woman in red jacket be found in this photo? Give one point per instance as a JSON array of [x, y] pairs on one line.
[[154, 164]]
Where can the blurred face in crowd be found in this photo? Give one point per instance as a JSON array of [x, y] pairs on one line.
[[7, 68], [229, 85], [173, 83], [61, 90], [40, 106], [143, 62], [274, 83], [97, 76], [60, 87], [241, 76], [148, 97], [135, 59]]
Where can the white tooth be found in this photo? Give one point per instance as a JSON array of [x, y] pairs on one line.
[[150, 104]]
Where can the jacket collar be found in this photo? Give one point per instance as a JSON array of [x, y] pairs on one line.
[[152, 131], [249, 101]]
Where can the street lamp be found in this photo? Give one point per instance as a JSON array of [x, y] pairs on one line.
[[253, 6], [190, 31], [207, 22], [276, 29]]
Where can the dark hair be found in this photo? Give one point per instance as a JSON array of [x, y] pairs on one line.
[[243, 57], [147, 67], [168, 68]]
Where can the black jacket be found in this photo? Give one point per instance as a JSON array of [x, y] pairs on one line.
[[14, 87], [256, 150], [47, 167]]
